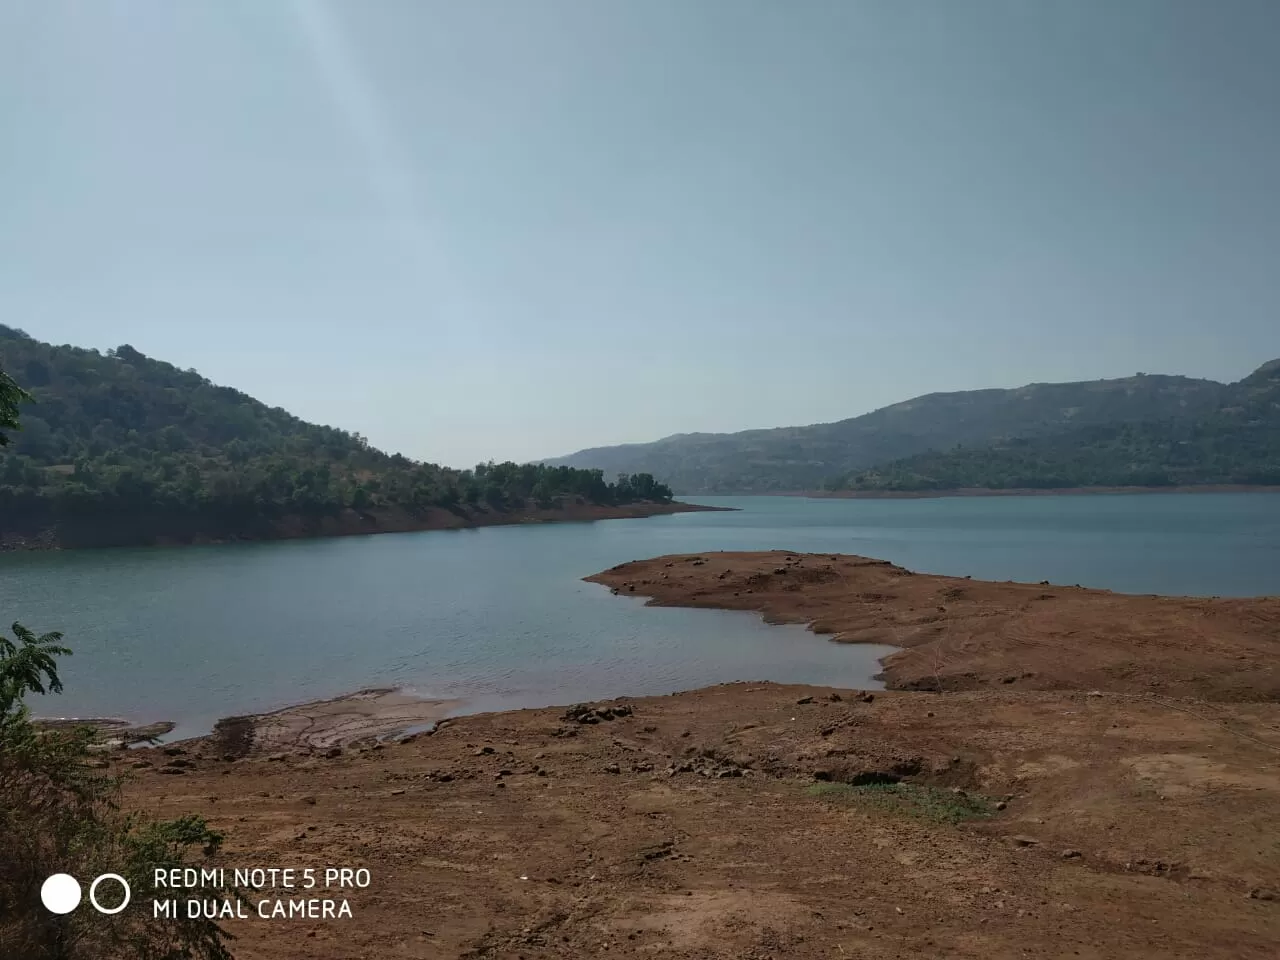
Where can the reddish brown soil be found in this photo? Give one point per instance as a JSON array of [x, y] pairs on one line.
[[961, 634], [591, 846], [1118, 821]]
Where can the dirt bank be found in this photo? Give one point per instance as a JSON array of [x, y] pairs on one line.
[[176, 530], [961, 634], [720, 824]]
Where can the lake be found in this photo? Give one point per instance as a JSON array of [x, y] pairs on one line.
[[499, 616]]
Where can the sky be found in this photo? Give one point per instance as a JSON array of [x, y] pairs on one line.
[[510, 229]]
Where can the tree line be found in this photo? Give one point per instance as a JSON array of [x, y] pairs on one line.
[[1162, 454], [124, 433]]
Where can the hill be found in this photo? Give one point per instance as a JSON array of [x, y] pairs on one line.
[[1236, 443], [789, 459], [121, 448]]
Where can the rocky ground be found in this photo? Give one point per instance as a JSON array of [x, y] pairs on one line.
[[992, 820]]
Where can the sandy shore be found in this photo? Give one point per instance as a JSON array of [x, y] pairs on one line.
[[1098, 781]]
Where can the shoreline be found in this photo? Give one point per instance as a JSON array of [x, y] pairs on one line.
[[151, 532], [361, 717], [956, 633], [1022, 492], [1079, 771]]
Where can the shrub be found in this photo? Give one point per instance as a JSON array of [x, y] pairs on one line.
[[60, 814]]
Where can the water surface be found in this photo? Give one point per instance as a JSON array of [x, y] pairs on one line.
[[499, 616]]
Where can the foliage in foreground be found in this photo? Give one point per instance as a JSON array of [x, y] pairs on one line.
[[58, 814], [909, 799]]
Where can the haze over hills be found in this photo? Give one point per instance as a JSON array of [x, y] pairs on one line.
[[790, 459], [1236, 443]]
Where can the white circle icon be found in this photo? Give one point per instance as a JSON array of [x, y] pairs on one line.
[[93, 890], [60, 893]]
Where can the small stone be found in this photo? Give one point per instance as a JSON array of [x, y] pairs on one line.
[[805, 700], [483, 751], [1023, 841], [396, 793], [1071, 854], [308, 800], [612, 768], [1002, 805], [332, 753]]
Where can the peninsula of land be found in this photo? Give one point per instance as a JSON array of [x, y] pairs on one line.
[[961, 634], [120, 449]]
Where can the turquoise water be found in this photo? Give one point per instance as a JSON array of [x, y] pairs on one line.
[[499, 616]]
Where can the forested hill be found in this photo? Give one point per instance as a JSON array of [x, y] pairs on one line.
[[807, 458], [119, 444], [1236, 443]]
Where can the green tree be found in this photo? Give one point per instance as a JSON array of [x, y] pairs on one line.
[[58, 814], [11, 395]]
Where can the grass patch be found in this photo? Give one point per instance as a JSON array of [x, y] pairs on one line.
[[909, 799]]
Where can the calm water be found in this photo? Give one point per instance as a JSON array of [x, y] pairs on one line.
[[499, 615]]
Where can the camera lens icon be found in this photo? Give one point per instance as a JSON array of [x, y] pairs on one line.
[[61, 893]]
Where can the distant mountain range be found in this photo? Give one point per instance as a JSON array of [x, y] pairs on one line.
[[1145, 430]]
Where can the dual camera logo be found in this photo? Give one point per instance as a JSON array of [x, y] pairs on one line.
[[61, 893]]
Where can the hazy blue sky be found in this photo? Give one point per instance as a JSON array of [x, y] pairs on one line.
[[513, 229]]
